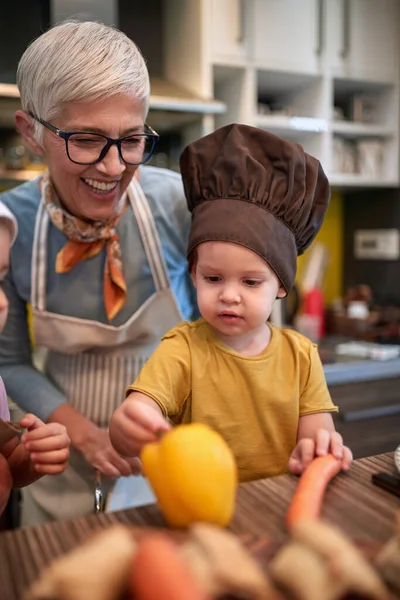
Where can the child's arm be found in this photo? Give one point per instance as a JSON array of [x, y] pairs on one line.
[[316, 436], [165, 377], [135, 423], [6, 483], [43, 450], [316, 433]]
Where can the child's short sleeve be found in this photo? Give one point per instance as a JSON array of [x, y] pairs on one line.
[[166, 376], [10, 221], [315, 396], [4, 412]]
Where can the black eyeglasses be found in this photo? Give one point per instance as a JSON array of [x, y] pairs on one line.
[[86, 148]]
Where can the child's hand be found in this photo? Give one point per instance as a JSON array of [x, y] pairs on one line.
[[48, 445], [326, 442], [137, 422]]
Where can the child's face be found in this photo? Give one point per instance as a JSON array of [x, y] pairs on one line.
[[236, 288], [5, 245]]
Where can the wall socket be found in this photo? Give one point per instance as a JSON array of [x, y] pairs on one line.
[[377, 244]]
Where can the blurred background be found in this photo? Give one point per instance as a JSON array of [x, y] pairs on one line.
[[323, 73]]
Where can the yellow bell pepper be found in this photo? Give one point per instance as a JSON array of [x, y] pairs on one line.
[[193, 474]]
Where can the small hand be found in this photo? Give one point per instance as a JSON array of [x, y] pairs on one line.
[[326, 442], [47, 444], [134, 424]]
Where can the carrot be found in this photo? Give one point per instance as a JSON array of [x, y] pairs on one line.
[[159, 572], [307, 500]]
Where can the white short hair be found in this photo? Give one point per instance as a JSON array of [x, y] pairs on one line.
[[80, 61]]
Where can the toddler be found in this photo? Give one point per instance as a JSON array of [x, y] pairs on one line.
[[257, 201]]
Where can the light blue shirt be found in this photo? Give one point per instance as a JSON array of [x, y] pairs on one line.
[[79, 293]]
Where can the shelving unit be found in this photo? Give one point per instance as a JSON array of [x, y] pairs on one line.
[[313, 92], [164, 96], [172, 109], [214, 62], [302, 108]]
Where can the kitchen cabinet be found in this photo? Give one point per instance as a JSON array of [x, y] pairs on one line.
[[325, 76], [323, 73], [229, 25], [355, 39], [369, 417], [362, 39], [288, 34]]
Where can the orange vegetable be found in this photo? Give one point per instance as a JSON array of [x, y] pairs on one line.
[[307, 500], [158, 572]]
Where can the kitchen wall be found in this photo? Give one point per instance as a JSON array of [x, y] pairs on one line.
[[372, 210], [331, 235], [20, 23]]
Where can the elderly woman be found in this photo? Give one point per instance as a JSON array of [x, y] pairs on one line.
[[100, 253]]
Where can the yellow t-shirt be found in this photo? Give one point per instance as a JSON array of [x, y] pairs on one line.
[[253, 402]]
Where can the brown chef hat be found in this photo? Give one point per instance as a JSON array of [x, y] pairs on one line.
[[250, 187]]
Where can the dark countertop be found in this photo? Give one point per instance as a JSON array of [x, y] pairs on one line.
[[362, 370], [366, 513], [341, 369]]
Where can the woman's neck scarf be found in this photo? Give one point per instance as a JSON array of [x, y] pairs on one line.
[[85, 240]]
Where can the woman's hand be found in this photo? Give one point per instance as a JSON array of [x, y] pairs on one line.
[[94, 443], [6, 483], [98, 452], [325, 442], [137, 422], [47, 445]]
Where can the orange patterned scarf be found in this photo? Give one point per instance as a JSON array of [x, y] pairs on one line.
[[87, 240]]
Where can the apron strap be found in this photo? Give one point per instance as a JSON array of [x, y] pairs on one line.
[[39, 259], [149, 234]]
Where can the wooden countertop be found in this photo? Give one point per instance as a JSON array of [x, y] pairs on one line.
[[365, 512]]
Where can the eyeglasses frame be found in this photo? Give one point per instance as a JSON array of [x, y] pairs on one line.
[[65, 135]]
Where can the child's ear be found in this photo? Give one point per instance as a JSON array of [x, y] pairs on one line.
[[281, 292]]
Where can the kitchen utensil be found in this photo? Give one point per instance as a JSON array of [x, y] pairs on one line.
[[390, 483], [8, 430], [98, 494]]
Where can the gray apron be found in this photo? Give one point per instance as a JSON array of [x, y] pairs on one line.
[[93, 363]]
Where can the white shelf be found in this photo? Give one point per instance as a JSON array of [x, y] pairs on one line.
[[357, 180], [19, 175], [168, 96], [353, 129], [9, 90], [206, 107], [285, 124], [164, 96]]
